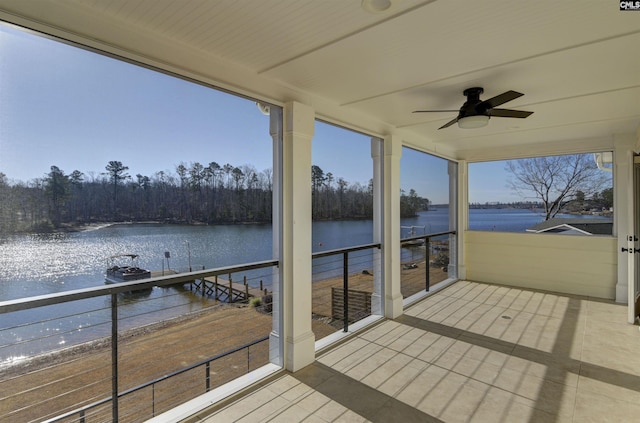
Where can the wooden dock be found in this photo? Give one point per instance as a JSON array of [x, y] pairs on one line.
[[165, 272], [226, 290]]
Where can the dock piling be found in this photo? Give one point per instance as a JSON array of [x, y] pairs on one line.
[[228, 291]]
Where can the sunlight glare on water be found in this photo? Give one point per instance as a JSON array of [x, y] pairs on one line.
[[41, 264]]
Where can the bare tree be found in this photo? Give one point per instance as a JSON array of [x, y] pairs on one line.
[[555, 180]]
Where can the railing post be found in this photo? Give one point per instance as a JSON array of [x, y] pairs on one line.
[[153, 400], [215, 295], [427, 264], [207, 377], [114, 357], [345, 287], [82, 416]]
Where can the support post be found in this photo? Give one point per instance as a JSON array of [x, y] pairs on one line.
[[299, 340], [345, 288], [427, 276], [461, 198], [393, 302], [114, 357], [216, 287], [377, 157], [276, 337], [208, 377]]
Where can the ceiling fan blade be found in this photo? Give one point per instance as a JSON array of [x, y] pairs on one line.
[[448, 124], [501, 99], [435, 111], [509, 113]]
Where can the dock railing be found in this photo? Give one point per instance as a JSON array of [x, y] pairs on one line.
[[118, 366]]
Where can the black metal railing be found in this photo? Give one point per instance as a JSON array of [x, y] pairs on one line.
[[81, 412], [425, 240], [337, 266], [344, 262], [112, 292]]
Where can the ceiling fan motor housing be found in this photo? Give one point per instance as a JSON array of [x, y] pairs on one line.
[[473, 106]]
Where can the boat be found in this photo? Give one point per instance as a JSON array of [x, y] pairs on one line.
[[117, 273]]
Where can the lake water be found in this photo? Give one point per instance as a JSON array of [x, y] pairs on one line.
[[48, 263]]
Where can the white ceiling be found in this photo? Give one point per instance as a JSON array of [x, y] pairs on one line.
[[577, 62]]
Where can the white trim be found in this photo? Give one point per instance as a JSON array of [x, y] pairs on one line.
[[552, 148]]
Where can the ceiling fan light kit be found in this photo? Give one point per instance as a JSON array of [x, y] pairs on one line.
[[472, 122], [476, 113], [377, 6]]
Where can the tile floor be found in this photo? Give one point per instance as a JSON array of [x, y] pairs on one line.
[[470, 353]]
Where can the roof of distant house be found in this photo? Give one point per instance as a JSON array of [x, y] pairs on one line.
[[583, 226]]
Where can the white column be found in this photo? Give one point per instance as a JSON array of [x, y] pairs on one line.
[[276, 346], [299, 340], [463, 215], [377, 155], [454, 240], [391, 247]]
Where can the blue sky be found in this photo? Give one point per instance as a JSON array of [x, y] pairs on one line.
[[78, 110], [74, 109], [488, 183]]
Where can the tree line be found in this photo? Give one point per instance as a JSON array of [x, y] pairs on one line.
[[194, 194]]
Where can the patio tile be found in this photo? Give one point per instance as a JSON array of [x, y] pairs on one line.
[[314, 402], [385, 370], [272, 407], [350, 417], [594, 408], [372, 363], [348, 355], [605, 382], [453, 357], [418, 389], [535, 392], [292, 413], [455, 399], [331, 411], [386, 333], [499, 406], [401, 378]]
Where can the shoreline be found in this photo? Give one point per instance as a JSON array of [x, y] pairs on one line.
[[58, 356], [86, 227]]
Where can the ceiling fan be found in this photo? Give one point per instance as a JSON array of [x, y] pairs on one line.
[[475, 113]]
